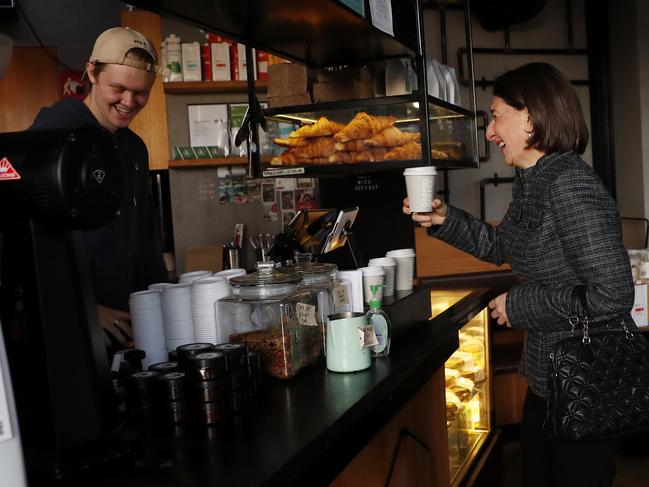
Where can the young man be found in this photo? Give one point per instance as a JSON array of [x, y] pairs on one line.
[[126, 253]]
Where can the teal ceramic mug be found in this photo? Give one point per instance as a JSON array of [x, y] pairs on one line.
[[344, 346]]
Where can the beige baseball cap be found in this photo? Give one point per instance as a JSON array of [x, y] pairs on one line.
[[112, 46]]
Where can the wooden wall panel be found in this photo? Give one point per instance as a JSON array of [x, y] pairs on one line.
[[31, 83], [436, 258], [151, 122]]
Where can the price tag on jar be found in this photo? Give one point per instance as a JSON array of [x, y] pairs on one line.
[[367, 337], [341, 296], [306, 314]]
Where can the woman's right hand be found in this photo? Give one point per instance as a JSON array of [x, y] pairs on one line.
[[435, 217]]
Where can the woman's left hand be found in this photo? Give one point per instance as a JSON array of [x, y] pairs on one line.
[[498, 306]]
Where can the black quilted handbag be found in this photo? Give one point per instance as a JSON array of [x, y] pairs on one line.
[[599, 381]]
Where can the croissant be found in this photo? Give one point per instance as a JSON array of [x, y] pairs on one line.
[[363, 126], [288, 158], [391, 137], [315, 147], [409, 151], [351, 146], [291, 142], [368, 155], [322, 127], [438, 154]]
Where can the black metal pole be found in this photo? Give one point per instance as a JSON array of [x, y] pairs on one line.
[[254, 170]]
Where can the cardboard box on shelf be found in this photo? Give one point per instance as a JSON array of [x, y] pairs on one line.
[[191, 52], [289, 100], [221, 61], [341, 90], [287, 79]]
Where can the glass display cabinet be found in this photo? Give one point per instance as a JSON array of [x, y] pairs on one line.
[[451, 132], [468, 388]]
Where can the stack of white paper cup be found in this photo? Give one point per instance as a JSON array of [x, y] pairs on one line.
[[389, 265], [148, 329], [159, 286], [371, 276], [177, 315], [405, 272], [189, 277], [229, 274], [204, 293], [420, 186]]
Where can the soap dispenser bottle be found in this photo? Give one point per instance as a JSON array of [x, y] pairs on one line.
[[381, 324]]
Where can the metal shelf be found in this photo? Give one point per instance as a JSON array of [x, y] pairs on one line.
[[316, 33], [343, 170]]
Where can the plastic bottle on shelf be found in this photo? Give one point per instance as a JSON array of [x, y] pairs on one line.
[[174, 58], [381, 323], [164, 67]]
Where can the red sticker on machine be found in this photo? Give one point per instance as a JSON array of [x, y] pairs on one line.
[[7, 171]]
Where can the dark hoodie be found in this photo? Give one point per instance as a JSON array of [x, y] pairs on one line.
[[126, 253]]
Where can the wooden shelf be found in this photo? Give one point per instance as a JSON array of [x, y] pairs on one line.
[[221, 161], [217, 162], [179, 87]]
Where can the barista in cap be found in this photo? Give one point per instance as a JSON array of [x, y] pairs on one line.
[[126, 253]]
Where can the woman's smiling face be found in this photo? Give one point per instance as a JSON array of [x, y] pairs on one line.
[[509, 129]]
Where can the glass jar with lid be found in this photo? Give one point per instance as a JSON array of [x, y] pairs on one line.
[[274, 316], [333, 293]]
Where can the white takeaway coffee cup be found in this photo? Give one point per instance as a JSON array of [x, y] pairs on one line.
[[420, 186], [371, 276], [390, 267], [405, 259]]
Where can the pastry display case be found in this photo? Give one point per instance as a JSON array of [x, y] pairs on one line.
[[468, 388], [368, 135]]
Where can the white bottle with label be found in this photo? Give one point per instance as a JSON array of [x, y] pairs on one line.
[[174, 58], [11, 452]]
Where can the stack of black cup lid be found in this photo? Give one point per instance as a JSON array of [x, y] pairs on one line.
[[164, 367], [139, 389], [186, 352], [209, 384], [170, 398], [238, 376]]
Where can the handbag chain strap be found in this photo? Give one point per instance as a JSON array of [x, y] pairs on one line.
[[579, 294]]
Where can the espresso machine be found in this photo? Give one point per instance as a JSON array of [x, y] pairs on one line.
[[53, 184]]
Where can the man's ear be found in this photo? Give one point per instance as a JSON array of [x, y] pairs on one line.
[[90, 71]]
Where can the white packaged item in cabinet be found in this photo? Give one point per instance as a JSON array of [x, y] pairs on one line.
[[221, 61], [396, 77], [441, 81], [640, 312], [191, 52], [241, 59]]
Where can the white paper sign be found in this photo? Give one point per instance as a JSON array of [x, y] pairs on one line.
[[381, 11], [208, 125], [306, 314]]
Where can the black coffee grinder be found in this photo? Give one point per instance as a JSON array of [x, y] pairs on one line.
[[52, 184]]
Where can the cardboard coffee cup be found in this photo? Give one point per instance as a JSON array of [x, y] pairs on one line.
[[390, 266], [405, 259], [371, 276], [420, 186]]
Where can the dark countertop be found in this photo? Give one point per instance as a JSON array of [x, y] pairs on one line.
[[307, 429]]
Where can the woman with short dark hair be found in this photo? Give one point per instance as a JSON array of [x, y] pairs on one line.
[[561, 230]]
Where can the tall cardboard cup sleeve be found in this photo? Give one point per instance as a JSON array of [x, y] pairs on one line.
[[420, 186], [405, 272]]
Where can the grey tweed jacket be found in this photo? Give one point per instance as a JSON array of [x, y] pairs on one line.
[[561, 229]]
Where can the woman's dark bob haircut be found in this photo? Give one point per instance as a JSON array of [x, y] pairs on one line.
[[554, 108]]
